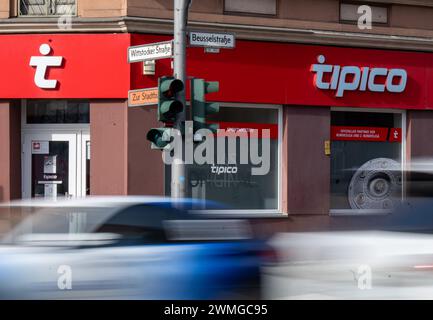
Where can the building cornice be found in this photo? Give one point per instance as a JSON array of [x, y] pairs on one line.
[[402, 39]]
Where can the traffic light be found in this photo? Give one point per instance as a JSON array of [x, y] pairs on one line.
[[168, 105], [168, 108], [200, 108], [160, 137]]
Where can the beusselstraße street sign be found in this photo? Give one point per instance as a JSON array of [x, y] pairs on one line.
[[152, 51], [212, 39]]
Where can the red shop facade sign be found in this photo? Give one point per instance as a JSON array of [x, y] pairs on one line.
[[64, 66], [55, 66]]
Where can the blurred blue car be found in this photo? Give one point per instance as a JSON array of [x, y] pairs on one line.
[[128, 248]]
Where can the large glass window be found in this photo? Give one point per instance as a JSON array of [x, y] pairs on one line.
[[237, 185], [57, 111], [366, 153]]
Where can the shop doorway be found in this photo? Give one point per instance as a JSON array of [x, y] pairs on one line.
[[55, 148], [56, 164]]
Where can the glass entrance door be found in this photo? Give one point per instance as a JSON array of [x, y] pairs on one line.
[[55, 165]]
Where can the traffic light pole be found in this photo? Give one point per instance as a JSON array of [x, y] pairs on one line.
[[178, 176]]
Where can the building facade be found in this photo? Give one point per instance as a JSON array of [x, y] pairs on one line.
[[336, 96]]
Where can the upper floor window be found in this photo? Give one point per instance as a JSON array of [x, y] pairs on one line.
[[265, 7], [359, 12], [47, 7]]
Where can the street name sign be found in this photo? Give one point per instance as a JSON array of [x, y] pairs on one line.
[[153, 51], [143, 97], [212, 40]]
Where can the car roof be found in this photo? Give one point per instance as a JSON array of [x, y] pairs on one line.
[[101, 201]]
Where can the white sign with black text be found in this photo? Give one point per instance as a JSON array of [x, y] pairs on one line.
[[151, 51], [212, 40]]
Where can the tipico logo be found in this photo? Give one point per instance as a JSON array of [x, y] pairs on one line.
[[42, 64], [351, 78]]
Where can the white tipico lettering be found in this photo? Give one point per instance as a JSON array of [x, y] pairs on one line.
[[334, 78], [320, 69], [393, 73], [351, 78], [343, 85], [372, 86], [364, 78]]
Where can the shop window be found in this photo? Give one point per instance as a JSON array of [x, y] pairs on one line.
[[50, 170], [47, 7], [366, 154], [57, 111], [265, 7], [235, 185]]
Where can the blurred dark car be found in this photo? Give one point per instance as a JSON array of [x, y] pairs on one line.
[[128, 248]]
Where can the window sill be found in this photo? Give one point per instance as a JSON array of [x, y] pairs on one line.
[[358, 213]]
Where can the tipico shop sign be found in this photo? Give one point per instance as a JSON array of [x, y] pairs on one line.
[[352, 78]]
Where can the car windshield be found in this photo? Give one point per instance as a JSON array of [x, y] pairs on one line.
[[59, 220]]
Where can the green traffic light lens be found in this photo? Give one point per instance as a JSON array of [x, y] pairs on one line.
[[155, 136], [171, 108], [176, 85], [212, 86], [169, 87]]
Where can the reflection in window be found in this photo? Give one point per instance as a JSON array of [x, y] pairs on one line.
[[268, 7], [57, 111], [365, 160], [234, 184], [47, 7]]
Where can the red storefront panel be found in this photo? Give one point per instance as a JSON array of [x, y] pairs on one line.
[[280, 73], [92, 66], [247, 129]]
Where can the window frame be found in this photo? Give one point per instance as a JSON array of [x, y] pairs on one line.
[[372, 4], [373, 212], [256, 212], [20, 15], [252, 14], [51, 126]]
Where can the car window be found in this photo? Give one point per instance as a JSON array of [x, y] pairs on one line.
[[59, 220], [141, 223]]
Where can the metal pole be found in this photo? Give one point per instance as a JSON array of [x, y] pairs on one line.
[[178, 176]]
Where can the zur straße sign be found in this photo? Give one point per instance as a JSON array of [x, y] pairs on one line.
[[143, 97]]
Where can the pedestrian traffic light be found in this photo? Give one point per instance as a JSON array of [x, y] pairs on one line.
[[168, 105], [160, 137], [200, 108]]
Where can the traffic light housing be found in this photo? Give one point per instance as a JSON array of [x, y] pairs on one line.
[[168, 105], [200, 108], [168, 108], [160, 137]]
